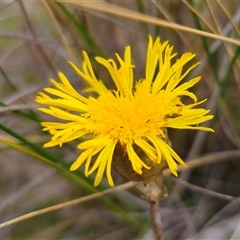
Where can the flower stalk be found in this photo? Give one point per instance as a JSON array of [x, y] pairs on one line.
[[153, 192]]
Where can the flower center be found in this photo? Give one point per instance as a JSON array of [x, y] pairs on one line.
[[130, 116]]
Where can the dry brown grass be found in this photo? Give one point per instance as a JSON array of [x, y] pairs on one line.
[[37, 38]]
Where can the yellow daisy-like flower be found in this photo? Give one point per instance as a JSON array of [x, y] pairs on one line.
[[135, 115]]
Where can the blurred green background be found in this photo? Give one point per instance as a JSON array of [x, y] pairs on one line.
[[37, 38]]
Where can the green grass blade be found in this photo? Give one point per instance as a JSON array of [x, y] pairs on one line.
[[7, 79], [81, 29], [212, 56], [54, 161]]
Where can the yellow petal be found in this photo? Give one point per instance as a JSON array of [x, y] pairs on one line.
[[137, 163]]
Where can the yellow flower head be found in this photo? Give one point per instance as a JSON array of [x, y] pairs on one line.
[[133, 115]]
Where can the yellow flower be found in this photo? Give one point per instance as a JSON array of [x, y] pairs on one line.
[[133, 115]]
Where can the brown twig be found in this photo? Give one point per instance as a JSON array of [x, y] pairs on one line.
[[198, 162], [207, 191], [66, 204]]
